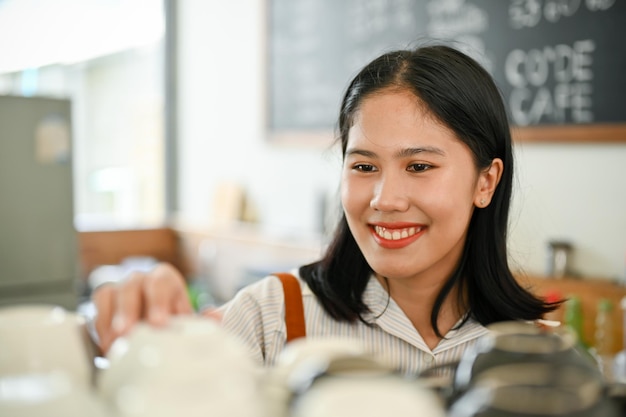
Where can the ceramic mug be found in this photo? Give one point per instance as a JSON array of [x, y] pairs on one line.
[[190, 367], [46, 363], [337, 377], [40, 339]]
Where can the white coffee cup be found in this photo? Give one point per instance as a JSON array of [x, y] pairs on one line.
[[190, 367], [336, 377], [41, 339], [46, 363], [367, 396]]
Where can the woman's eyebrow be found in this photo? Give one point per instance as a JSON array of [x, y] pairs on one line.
[[408, 152], [361, 152], [403, 153]]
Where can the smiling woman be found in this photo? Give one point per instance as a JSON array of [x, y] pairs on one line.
[[409, 189]]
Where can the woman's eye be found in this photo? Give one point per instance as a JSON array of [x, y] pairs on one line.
[[419, 167], [364, 167]]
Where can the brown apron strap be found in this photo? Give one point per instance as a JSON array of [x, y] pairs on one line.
[[294, 310]]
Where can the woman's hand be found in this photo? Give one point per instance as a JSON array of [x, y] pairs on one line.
[[153, 296]]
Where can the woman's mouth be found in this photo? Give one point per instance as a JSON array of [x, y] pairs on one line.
[[396, 237], [396, 234]]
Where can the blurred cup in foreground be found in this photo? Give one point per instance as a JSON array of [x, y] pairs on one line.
[[190, 367], [41, 339], [46, 364]]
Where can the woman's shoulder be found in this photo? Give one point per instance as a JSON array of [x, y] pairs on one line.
[[268, 289]]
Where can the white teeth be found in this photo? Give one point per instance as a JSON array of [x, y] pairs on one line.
[[396, 234]]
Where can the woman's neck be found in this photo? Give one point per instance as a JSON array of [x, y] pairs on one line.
[[417, 301]]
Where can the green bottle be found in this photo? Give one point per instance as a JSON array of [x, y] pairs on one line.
[[573, 319], [603, 337]]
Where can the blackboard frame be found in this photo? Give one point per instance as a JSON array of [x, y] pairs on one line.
[[592, 133], [574, 133]]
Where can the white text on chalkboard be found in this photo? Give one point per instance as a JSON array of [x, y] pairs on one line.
[[552, 84]]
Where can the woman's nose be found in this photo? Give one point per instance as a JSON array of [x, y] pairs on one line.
[[390, 195]]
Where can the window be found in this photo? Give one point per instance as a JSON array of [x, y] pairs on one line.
[[106, 56]]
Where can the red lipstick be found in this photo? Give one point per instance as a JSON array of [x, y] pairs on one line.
[[396, 235]]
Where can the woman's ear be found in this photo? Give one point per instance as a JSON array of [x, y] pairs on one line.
[[488, 180]]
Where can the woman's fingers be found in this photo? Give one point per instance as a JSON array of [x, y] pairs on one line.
[[104, 299], [152, 296], [129, 304], [165, 293]]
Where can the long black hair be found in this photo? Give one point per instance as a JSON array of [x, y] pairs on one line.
[[462, 95]]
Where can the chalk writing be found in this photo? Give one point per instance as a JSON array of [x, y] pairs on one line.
[[569, 67]]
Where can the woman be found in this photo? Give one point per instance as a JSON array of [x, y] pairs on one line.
[[418, 264]]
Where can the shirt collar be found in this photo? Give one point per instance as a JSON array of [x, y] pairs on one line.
[[385, 313]]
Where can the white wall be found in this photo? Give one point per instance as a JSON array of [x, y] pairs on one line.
[[222, 123], [571, 192], [577, 192]]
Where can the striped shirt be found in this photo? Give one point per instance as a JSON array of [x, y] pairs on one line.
[[256, 315]]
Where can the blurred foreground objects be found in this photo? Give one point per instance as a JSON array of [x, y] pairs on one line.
[[522, 370], [336, 378], [46, 364]]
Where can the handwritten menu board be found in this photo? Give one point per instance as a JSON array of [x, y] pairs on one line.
[[560, 64]]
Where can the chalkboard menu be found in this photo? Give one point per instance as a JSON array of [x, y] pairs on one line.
[[559, 63]]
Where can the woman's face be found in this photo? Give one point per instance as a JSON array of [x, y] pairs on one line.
[[409, 188]]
